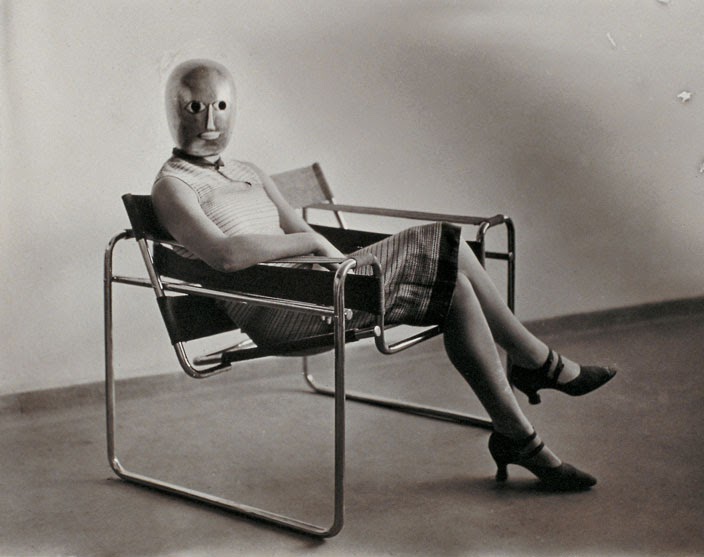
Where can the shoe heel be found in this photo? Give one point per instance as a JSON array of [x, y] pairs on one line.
[[527, 387], [501, 473], [531, 393], [533, 398]]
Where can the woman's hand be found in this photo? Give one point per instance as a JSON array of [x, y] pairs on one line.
[[325, 248]]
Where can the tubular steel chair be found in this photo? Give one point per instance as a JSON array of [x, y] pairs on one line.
[[186, 291]]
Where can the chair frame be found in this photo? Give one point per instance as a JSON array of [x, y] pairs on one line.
[[338, 312]]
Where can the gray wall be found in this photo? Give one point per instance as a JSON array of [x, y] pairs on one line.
[[563, 114]]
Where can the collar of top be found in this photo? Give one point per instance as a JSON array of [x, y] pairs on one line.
[[200, 161]]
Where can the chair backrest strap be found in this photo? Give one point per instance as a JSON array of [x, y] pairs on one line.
[[143, 219], [303, 186]]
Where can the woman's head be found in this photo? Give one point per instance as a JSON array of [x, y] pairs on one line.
[[200, 107]]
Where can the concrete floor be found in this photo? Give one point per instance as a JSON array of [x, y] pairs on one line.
[[414, 486]]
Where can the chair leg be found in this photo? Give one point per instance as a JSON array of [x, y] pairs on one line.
[[248, 511], [399, 405]]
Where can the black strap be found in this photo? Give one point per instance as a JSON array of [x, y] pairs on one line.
[[558, 368], [533, 452], [545, 368], [524, 453]]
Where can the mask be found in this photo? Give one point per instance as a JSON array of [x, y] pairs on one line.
[[200, 107]]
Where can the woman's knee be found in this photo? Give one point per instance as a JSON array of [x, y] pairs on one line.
[[468, 262]]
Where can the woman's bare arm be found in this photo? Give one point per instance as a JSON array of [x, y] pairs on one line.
[[178, 210]]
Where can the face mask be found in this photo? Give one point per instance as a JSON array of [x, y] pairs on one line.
[[200, 104]]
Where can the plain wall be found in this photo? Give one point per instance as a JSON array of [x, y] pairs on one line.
[[562, 114]]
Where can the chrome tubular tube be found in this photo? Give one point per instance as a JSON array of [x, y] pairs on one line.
[[404, 214], [215, 357], [405, 343], [108, 341], [339, 393], [191, 370], [263, 301], [229, 505], [338, 216], [149, 264], [511, 263], [509, 256], [400, 405]]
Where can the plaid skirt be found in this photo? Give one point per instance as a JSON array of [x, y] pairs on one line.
[[419, 269]]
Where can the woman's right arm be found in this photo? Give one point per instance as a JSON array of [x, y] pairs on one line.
[[178, 210]]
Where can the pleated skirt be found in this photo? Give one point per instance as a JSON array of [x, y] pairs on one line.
[[419, 272]]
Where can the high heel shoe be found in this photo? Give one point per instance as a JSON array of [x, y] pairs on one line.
[[529, 381], [564, 477]]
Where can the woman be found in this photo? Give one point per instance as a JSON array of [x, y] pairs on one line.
[[231, 216]]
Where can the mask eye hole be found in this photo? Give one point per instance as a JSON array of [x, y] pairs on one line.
[[194, 107], [222, 105]]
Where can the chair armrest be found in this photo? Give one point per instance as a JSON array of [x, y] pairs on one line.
[[308, 259], [360, 260], [413, 215]]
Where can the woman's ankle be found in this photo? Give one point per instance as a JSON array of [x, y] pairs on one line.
[[532, 358], [515, 430], [544, 457]]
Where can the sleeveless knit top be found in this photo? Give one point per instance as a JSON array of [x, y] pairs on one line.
[[231, 195]]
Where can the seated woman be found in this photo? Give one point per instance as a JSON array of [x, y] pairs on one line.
[[231, 215]]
